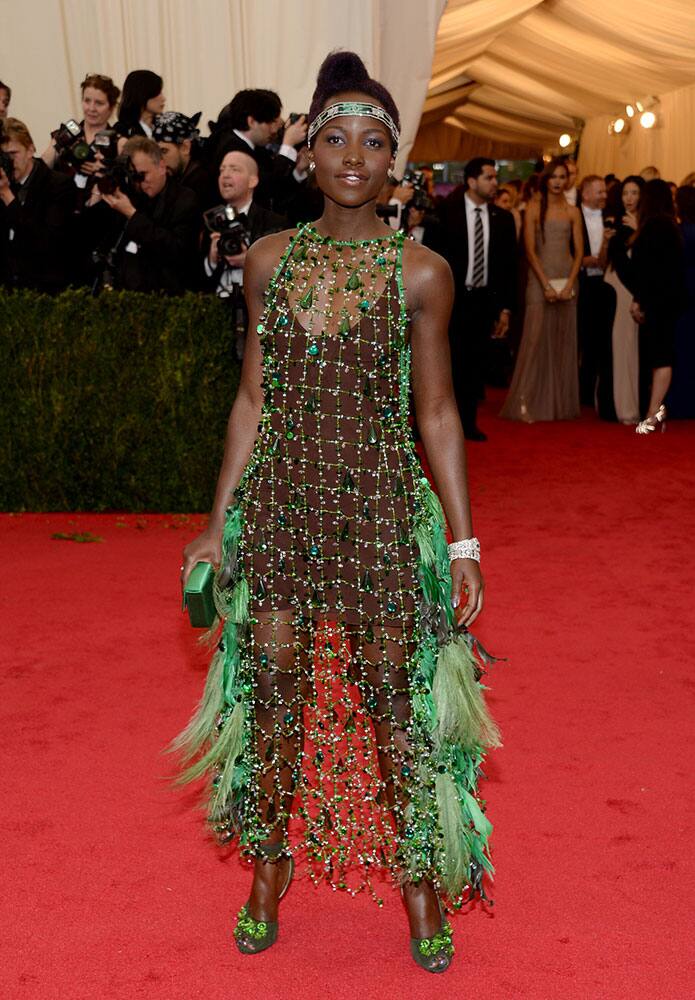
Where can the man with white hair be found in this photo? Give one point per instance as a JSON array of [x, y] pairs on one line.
[[597, 302]]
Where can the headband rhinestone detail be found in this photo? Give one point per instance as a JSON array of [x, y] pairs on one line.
[[343, 108]]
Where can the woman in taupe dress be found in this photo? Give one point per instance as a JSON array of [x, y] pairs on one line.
[[545, 385]]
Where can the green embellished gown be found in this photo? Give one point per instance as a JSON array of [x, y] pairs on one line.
[[343, 711]]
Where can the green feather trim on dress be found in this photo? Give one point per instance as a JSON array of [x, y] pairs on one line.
[[449, 710], [461, 711], [226, 748], [201, 727]]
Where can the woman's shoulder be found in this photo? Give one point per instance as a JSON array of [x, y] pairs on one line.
[[264, 255], [423, 263]]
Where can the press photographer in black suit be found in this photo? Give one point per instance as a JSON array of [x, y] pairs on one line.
[[480, 245], [158, 228], [240, 222], [250, 121], [36, 205]]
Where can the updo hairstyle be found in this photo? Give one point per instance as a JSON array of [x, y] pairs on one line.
[[341, 72]]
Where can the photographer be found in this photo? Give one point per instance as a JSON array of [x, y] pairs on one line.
[[248, 124], [35, 210], [177, 137], [393, 199], [233, 227], [157, 221], [75, 146], [419, 224]]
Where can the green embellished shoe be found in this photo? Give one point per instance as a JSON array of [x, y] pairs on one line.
[[434, 954], [253, 936]]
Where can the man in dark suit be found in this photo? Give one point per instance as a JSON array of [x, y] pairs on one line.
[[224, 273], [248, 124], [596, 304], [481, 247], [156, 249], [36, 207]]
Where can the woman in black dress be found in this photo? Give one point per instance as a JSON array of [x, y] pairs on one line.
[[654, 275], [141, 101]]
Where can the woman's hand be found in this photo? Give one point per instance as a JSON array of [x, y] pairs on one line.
[[550, 294], [630, 219], [466, 579], [566, 294], [637, 313], [207, 547]]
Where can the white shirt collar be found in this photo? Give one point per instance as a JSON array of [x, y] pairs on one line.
[[244, 208], [245, 138], [471, 205], [591, 211]]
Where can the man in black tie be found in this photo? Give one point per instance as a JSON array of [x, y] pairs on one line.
[[597, 303], [480, 245]]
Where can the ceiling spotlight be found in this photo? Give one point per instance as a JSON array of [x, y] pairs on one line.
[[619, 125], [639, 105], [565, 140], [629, 111], [647, 119]]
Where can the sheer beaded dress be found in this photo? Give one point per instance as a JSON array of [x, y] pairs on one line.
[[343, 711]]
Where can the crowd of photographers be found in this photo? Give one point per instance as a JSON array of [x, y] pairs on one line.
[[133, 197]]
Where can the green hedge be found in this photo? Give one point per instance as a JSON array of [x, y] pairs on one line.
[[113, 403]]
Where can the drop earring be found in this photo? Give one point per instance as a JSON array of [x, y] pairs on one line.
[[312, 166]]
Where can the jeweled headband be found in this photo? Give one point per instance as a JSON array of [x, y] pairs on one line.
[[343, 108]]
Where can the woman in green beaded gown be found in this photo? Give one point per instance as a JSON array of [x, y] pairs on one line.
[[343, 719]]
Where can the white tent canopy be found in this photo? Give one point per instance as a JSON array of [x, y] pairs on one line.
[[504, 77], [509, 76], [208, 50]]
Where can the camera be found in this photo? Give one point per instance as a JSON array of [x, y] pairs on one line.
[[415, 178], [421, 201], [6, 165], [387, 211], [232, 227], [119, 173], [71, 144], [106, 143]]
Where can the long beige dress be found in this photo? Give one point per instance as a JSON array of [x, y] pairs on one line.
[[625, 354], [545, 385]]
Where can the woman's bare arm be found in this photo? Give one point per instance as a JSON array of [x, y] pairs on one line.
[[430, 291], [242, 426], [531, 218]]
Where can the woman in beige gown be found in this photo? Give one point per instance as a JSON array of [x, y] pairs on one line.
[[625, 329], [545, 385]]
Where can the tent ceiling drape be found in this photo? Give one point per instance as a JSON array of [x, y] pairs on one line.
[[519, 72]]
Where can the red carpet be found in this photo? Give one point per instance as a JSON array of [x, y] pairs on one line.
[[111, 889]]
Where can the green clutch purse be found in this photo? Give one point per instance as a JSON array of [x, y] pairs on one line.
[[197, 596]]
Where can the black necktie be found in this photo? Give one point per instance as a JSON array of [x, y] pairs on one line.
[[478, 250]]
